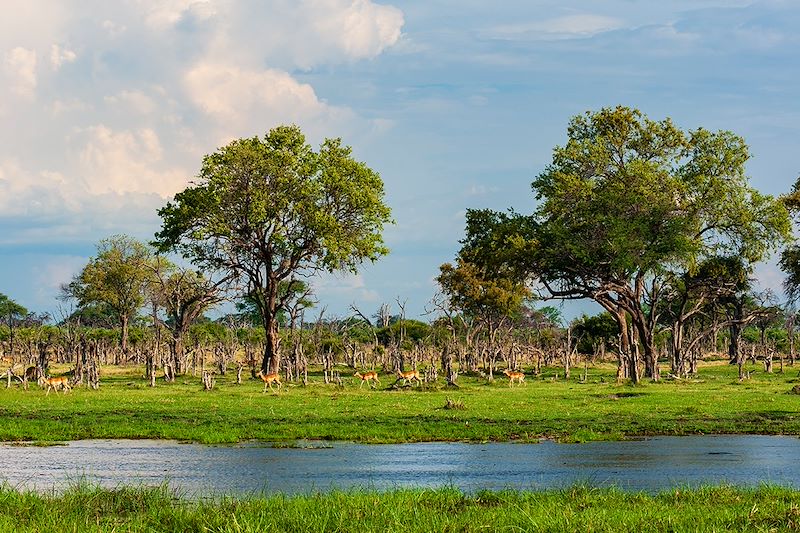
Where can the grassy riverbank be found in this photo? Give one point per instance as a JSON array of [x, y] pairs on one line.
[[575, 509], [125, 407]]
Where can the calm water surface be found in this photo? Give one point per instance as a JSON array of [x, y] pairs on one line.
[[652, 464]]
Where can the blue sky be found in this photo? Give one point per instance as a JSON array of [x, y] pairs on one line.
[[106, 109]]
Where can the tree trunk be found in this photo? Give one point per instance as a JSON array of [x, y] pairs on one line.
[[678, 357], [124, 340], [42, 363], [734, 349], [568, 353], [650, 355], [177, 354], [628, 358]]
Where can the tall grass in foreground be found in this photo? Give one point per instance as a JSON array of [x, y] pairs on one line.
[[721, 508]]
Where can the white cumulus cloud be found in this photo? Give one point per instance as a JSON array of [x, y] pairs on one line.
[[241, 99], [20, 66], [59, 56], [127, 161], [162, 14], [307, 33]]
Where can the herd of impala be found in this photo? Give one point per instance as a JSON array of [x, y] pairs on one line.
[[371, 378], [32, 373]]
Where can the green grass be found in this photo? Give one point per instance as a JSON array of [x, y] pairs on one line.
[[125, 407], [579, 508]]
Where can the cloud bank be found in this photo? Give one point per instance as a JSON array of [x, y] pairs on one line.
[[113, 105]]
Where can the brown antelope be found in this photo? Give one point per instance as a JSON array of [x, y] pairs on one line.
[[31, 373], [55, 383], [408, 376], [369, 377], [512, 375], [269, 379]]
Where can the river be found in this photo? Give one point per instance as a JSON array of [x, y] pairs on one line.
[[650, 464]]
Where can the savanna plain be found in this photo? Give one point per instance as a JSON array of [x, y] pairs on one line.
[[589, 406]]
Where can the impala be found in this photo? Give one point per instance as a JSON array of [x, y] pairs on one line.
[[369, 377], [512, 375], [269, 379], [55, 383], [408, 376], [31, 373]]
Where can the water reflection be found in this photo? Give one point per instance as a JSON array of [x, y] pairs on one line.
[[651, 464]]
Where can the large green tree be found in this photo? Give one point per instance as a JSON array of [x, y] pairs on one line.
[[116, 278], [628, 200], [271, 210]]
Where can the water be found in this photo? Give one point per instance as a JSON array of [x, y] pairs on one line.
[[652, 464]]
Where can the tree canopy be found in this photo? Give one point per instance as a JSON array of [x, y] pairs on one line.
[[10, 313]]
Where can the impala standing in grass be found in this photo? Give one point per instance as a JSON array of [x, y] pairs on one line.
[[56, 383], [408, 376], [514, 375], [269, 379], [369, 377]]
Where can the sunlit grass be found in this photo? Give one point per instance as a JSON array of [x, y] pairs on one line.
[[125, 407], [579, 508]]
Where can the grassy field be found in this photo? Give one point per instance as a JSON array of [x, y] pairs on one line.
[[125, 407], [576, 509]]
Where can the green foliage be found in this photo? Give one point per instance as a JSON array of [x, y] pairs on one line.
[[116, 279], [290, 294], [775, 336], [790, 264], [208, 332], [486, 297], [184, 293], [591, 330], [10, 311], [498, 243], [358, 330], [410, 330], [331, 343], [138, 334], [93, 316], [275, 203], [628, 195], [105, 334], [250, 336]]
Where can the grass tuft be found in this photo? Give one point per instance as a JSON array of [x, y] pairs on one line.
[[450, 403]]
